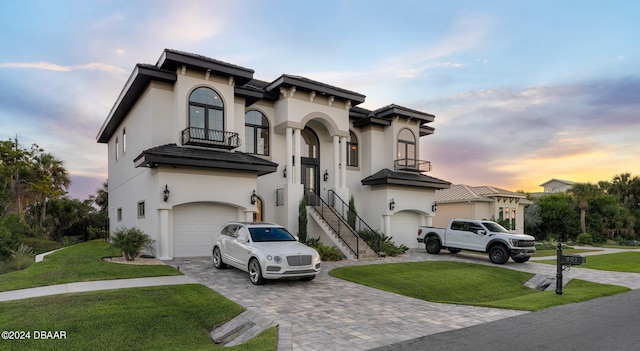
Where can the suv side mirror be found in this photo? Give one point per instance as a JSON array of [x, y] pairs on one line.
[[482, 232]]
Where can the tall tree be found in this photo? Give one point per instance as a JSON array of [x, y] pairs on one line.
[[583, 193], [102, 197], [51, 181]]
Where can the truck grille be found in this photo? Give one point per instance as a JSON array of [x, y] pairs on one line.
[[526, 243], [299, 260]]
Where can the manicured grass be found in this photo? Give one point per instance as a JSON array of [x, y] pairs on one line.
[[79, 263], [177, 317], [468, 284], [618, 262]]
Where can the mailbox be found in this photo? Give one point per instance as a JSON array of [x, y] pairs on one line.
[[572, 260]]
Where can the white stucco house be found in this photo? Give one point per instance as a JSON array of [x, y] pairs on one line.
[[481, 202], [556, 186], [194, 142]]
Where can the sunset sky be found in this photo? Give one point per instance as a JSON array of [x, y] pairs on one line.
[[522, 91]]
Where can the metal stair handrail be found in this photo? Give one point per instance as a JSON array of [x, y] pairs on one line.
[[358, 224], [310, 194]]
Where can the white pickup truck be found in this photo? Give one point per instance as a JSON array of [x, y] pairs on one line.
[[478, 235]]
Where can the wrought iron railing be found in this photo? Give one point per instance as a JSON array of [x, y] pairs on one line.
[[340, 227], [354, 221], [211, 138], [412, 165]]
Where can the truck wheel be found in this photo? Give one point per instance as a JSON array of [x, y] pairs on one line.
[[498, 255], [520, 259], [433, 246], [454, 251]]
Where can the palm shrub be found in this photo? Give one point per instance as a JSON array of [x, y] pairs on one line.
[[131, 241], [328, 253], [22, 257], [384, 244]]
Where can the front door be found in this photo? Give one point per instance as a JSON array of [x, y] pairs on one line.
[[310, 182], [310, 168]]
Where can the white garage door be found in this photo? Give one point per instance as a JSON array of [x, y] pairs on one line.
[[404, 228], [196, 225]]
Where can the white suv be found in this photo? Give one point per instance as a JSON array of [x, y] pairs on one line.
[[265, 251]]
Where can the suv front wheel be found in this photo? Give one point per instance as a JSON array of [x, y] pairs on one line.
[[255, 273]]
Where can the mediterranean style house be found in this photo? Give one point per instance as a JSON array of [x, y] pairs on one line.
[[194, 142], [481, 202]]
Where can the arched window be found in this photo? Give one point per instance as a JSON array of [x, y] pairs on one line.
[[310, 147], [406, 148], [256, 129], [352, 150], [206, 111]]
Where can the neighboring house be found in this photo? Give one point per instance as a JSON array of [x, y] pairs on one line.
[[481, 202], [194, 142], [554, 186], [557, 186]]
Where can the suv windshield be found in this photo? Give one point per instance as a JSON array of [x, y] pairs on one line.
[[495, 227], [270, 234]]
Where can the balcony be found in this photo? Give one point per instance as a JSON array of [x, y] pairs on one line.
[[210, 138], [412, 165]]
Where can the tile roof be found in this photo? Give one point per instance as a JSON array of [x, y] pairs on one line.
[[172, 154], [461, 192], [389, 177]]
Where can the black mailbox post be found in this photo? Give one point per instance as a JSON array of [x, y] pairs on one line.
[[565, 260]]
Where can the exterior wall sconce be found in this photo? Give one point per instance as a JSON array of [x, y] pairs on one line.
[[166, 193], [254, 197], [325, 176], [392, 204], [284, 172], [434, 207]]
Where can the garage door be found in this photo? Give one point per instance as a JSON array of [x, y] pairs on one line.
[[195, 226], [404, 228]]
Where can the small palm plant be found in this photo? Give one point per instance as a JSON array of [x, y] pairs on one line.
[[131, 241]]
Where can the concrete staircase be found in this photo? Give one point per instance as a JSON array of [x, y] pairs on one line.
[[347, 239]]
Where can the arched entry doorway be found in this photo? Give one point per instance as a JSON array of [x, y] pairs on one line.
[[310, 159]]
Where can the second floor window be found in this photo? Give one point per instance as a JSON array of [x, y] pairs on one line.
[[352, 150], [256, 129], [206, 111], [407, 147]]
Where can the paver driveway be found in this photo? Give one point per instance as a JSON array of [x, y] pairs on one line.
[[332, 314]]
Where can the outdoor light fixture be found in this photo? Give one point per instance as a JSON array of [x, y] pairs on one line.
[[392, 204], [166, 192], [254, 197], [326, 175], [434, 207], [284, 172]]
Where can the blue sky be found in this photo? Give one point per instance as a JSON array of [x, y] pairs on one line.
[[522, 91]]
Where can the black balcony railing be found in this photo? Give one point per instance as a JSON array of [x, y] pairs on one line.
[[412, 165], [210, 138]]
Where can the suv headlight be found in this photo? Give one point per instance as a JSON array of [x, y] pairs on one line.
[[514, 242]]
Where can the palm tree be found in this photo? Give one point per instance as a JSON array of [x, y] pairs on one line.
[[102, 197], [583, 193], [51, 181]]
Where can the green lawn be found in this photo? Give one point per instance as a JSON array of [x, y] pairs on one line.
[[469, 284], [79, 263], [177, 317], [618, 262]]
